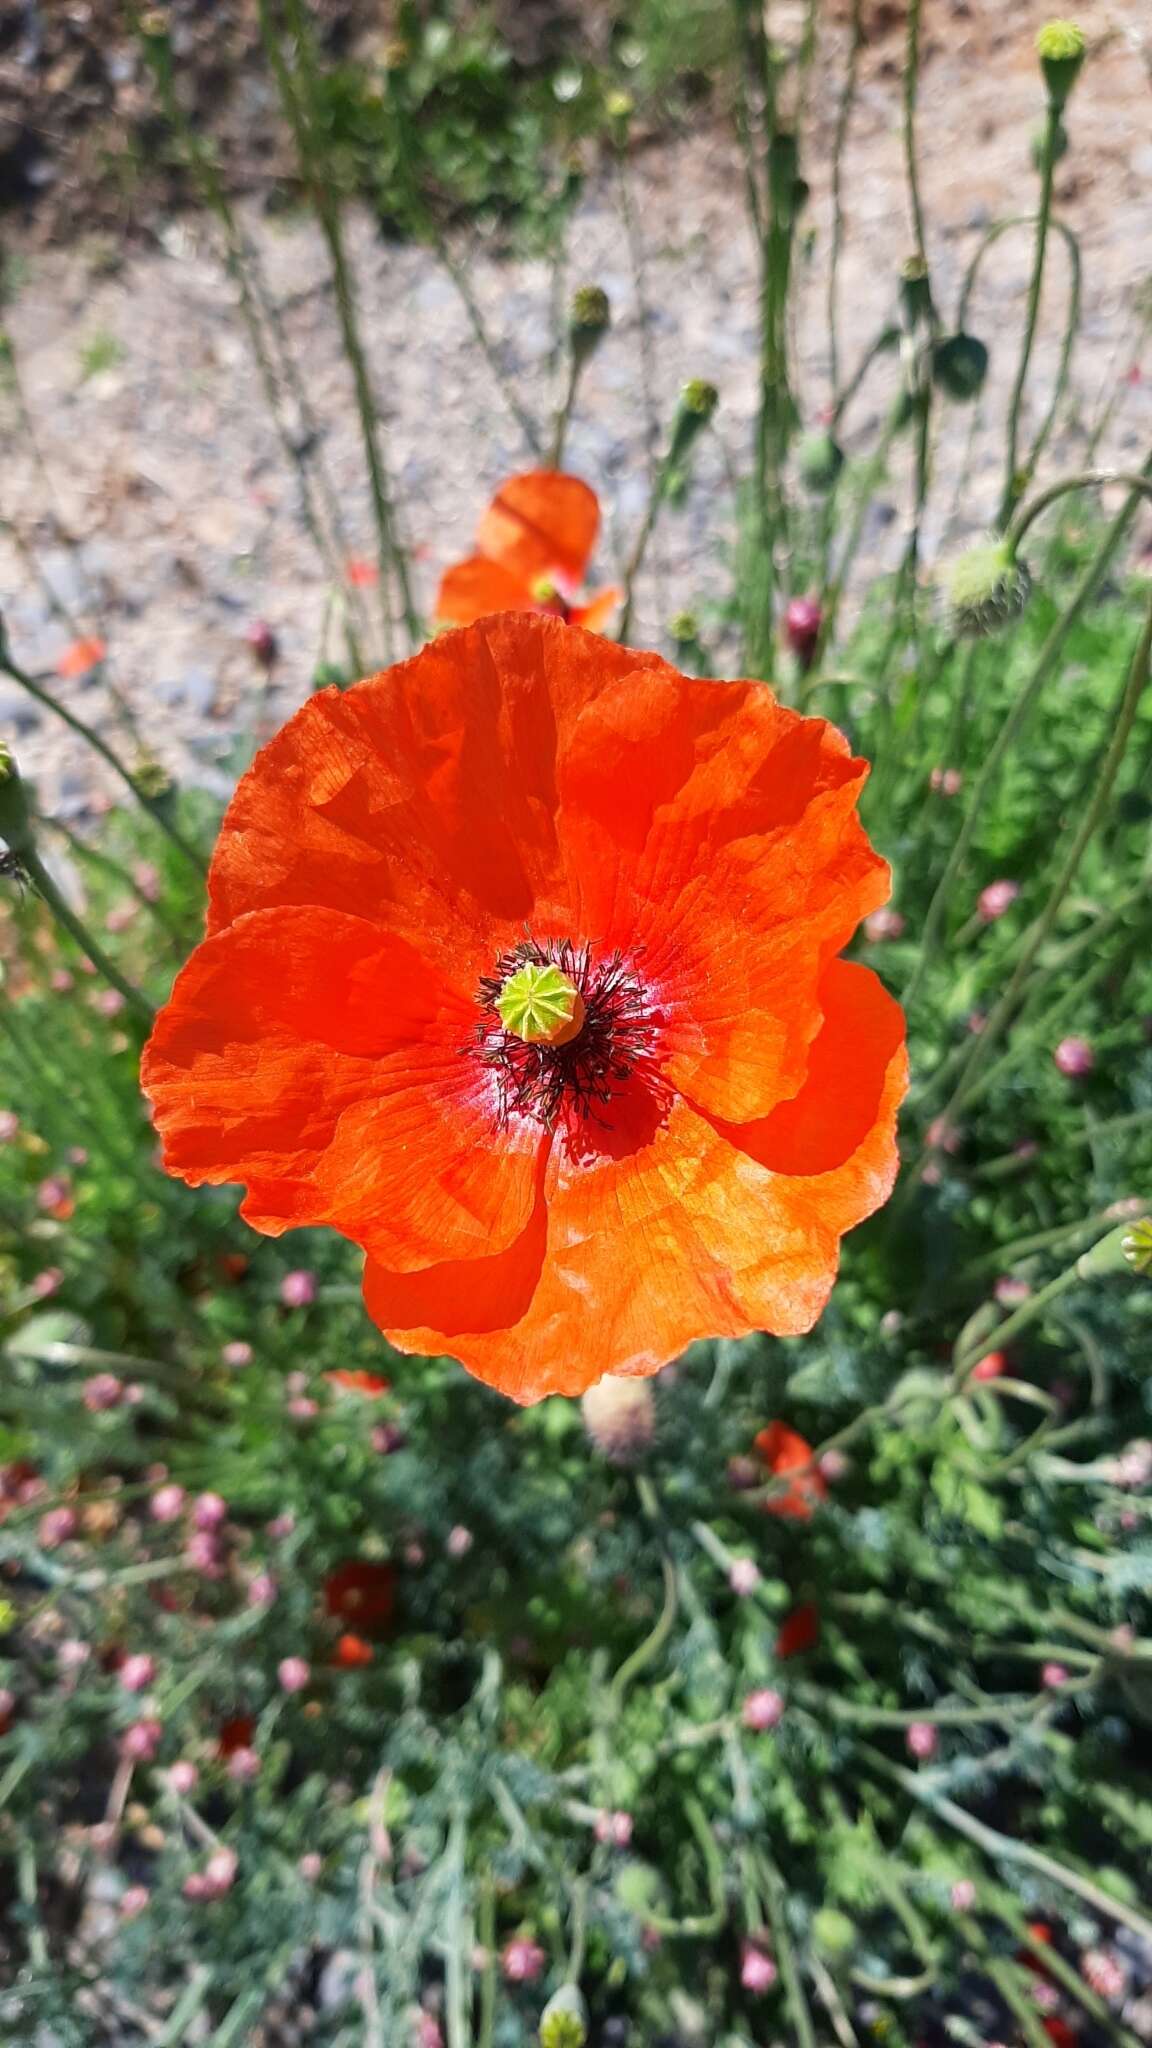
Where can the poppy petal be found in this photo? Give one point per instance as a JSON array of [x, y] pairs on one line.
[[317, 1059], [594, 615], [716, 840], [476, 588], [541, 524], [663, 1231]]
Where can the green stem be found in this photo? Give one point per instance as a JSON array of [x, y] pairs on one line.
[[576, 361], [76, 928], [1088, 479], [968, 1355], [774, 1896], [1071, 319], [1014, 483], [911, 96]]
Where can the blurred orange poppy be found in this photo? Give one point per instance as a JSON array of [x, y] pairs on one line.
[[81, 657], [361, 1591], [352, 1651], [371, 1383], [785, 1451], [522, 973], [532, 554]]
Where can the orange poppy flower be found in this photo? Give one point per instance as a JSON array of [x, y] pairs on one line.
[[785, 1451], [532, 554], [351, 1652], [371, 1383], [526, 807], [80, 657], [361, 1591], [799, 1631]]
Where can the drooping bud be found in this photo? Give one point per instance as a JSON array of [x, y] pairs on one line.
[[564, 2020], [1060, 47], [541, 1004], [819, 459], [589, 319], [1136, 1245], [959, 366], [987, 588], [620, 1417]]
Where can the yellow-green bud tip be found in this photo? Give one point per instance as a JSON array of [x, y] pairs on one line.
[[564, 2021], [700, 398], [541, 1005], [1060, 42], [1136, 1245], [591, 310], [987, 588]]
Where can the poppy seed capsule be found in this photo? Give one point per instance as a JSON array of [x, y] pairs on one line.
[[959, 366], [1060, 47], [589, 318], [1136, 1245], [988, 587], [564, 2020], [820, 460], [541, 1005]]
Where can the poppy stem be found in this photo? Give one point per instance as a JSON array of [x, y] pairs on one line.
[[839, 144], [772, 1886], [1015, 483]]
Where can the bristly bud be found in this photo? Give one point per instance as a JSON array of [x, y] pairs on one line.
[[684, 628], [564, 2020], [960, 365], [698, 402], [1060, 47], [1136, 1245], [987, 588], [820, 460], [15, 819], [620, 1417], [589, 318]]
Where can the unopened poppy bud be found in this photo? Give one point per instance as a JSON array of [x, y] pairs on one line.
[[15, 822], [620, 1417], [803, 620], [959, 366], [820, 459], [151, 779], [1136, 1245], [564, 2020], [541, 1005], [987, 587], [1060, 47], [698, 402], [684, 628], [263, 643], [589, 319]]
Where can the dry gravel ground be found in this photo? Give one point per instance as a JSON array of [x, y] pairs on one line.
[[156, 452]]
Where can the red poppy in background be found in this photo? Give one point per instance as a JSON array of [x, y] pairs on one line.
[[351, 1652], [362, 1592], [522, 973], [371, 1383], [532, 554], [799, 1631], [235, 1734], [80, 657], [785, 1451], [1059, 2031]]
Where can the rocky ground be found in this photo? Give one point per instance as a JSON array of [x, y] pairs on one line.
[[152, 503]]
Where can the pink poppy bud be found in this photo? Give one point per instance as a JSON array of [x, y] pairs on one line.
[[298, 1290], [208, 1511], [613, 1829], [237, 1353], [58, 1526], [803, 620], [757, 1970], [167, 1504], [134, 1900], [921, 1740], [202, 1555], [137, 1673], [1053, 1676], [996, 899], [762, 1710], [48, 1282], [61, 982], [963, 1895], [1075, 1058], [220, 1869], [72, 1654], [743, 1575], [294, 1673], [196, 1887], [103, 1390], [883, 924], [832, 1466], [280, 1527], [386, 1438], [302, 1408], [244, 1766], [9, 1126], [183, 1777], [522, 1960], [108, 1002], [262, 1590], [310, 1866], [1011, 1292], [140, 1742], [460, 1541]]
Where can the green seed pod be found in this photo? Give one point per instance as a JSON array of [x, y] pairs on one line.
[[819, 459], [832, 1932], [698, 402], [915, 293], [1060, 47], [564, 2020], [960, 365], [987, 589]]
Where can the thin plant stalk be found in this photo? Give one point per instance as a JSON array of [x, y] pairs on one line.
[[100, 746], [1015, 482], [67, 918], [911, 99], [1043, 668]]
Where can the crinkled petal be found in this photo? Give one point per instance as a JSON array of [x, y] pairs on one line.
[[542, 524], [669, 1228], [714, 839], [320, 1061], [476, 588]]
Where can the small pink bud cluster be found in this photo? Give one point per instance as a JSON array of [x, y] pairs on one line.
[[921, 1740], [141, 1741], [217, 1877], [757, 1969], [298, 1289], [762, 1710], [102, 1391], [137, 1672], [1074, 1058], [244, 1766], [996, 900], [237, 1353], [883, 924], [183, 1777], [613, 1829], [1105, 1973], [167, 1503], [522, 1959], [294, 1673]]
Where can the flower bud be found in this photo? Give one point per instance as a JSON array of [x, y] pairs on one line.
[[987, 588], [15, 820], [589, 318], [820, 460], [698, 402], [620, 1417], [959, 366], [564, 2020], [1060, 47], [1136, 1245], [803, 622]]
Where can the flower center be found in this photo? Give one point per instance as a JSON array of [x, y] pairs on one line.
[[547, 597], [562, 1033]]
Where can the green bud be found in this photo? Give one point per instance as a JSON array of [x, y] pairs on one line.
[[684, 628], [987, 589], [151, 779], [1107, 1257], [1136, 1245], [698, 402], [833, 1932], [960, 365], [640, 1889], [564, 2020], [589, 318], [15, 819], [820, 460], [1060, 47]]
